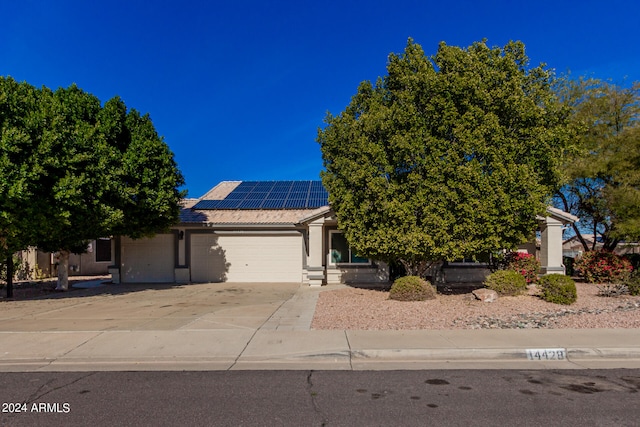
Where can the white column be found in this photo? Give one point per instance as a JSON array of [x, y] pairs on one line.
[[315, 270], [551, 246], [114, 269]]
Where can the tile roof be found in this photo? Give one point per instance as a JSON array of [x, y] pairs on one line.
[[220, 191], [238, 216], [188, 202], [189, 215]]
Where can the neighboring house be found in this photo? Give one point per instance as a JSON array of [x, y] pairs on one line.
[[572, 247], [96, 261], [268, 231]]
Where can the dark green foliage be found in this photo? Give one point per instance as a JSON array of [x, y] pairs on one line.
[[412, 288], [558, 289], [20, 137], [21, 269], [634, 260], [603, 174], [569, 265], [506, 282], [633, 284], [445, 157], [72, 170]]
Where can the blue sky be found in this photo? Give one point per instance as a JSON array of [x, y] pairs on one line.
[[239, 88]]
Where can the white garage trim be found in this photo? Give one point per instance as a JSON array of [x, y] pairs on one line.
[[246, 257]]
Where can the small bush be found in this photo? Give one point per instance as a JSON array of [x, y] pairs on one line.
[[21, 269], [411, 288], [506, 282], [633, 284], [558, 289], [612, 290], [603, 267], [525, 264], [568, 265], [634, 259]]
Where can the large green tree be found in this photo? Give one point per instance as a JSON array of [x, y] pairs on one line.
[[445, 157], [603, 174], [20, 134], [96, 171]]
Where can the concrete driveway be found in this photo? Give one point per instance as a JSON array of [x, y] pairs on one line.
[[222, 326], [149, 307]]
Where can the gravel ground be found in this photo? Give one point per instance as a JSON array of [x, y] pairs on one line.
[[365, 309]]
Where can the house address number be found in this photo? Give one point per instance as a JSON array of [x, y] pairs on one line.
[[546, 354]]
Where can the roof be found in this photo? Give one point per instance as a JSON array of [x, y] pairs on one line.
[[220, 191], [273, 202], [245, 195], [188, 202], [257, 202], [239, 216], [560, 215]]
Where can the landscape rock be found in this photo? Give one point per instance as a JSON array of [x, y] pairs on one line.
[[485, 295]]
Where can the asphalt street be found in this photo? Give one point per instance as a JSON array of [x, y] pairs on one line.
[[323, 398]]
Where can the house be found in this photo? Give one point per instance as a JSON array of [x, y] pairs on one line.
[[572, 247], [95, 261], [268, 231]]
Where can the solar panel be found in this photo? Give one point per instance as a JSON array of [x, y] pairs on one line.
[[282, 186], [206, 204], [228, 204], [271, 195], [249, 204], [294, 204], [236, 196], [273, 204]]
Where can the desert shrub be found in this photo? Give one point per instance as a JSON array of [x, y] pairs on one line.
[[522, 262], [558, 289], [603, 267], [525, 264], [506, 282], [21, 269], [568, 265], [411, 288], [634, 259], [612, 289], [633, 284]]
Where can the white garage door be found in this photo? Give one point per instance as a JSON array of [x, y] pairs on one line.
[[246, 258], [148, 260]]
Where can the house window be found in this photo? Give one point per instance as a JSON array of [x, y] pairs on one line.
[[340, 251], [103, 250]]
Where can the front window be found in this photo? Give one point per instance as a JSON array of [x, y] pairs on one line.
[[103, 250], [340, 251]]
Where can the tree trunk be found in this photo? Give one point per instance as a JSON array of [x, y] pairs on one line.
[[416, 268], [583, 242], [566, 208], [63, 271], [10, 276]]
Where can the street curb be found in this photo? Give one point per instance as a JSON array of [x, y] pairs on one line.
[[604, 353], [492, 354]]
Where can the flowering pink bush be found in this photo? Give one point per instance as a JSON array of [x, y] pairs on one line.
[[525, 264], [603, 267]]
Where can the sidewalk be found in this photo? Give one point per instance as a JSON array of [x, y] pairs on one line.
[[265, 326]]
